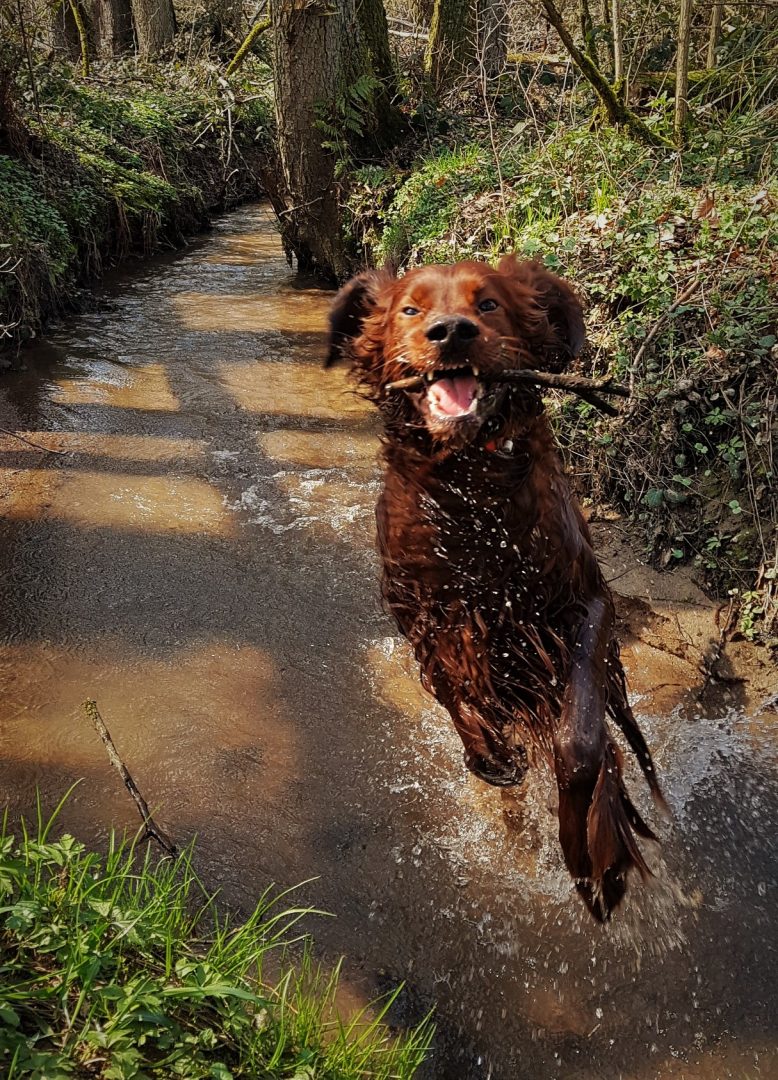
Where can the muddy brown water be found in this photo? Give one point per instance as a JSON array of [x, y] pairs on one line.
[[201, 562]]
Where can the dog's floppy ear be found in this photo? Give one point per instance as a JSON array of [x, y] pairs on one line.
[[351, 307], [556, 299]]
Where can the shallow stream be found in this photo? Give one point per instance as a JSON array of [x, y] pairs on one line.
[[200, 561]]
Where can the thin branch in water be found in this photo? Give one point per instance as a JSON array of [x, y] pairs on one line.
[[34, 445], [153, 830]]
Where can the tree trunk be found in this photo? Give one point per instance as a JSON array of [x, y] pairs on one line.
[[492, 37], [713, 37], [618, 50], [451, 46], [605, 21], [421, 11], [374, 33], [155, 25], [312, 46], [682, 68], [586, 26], [112, 22]]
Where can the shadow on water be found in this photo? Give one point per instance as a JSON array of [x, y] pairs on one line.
[[201, 563]]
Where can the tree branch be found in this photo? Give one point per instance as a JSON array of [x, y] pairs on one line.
[[152, 829], [618, 112]]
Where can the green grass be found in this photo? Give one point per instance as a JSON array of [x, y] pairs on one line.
[[121, 966]]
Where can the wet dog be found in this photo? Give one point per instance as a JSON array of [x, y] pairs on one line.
[[488, 565]]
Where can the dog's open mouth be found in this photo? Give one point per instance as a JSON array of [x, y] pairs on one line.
[[452, 393]]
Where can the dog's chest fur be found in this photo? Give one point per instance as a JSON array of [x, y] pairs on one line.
[[480, 561]]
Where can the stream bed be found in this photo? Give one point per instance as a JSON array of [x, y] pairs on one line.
[[200, 561]]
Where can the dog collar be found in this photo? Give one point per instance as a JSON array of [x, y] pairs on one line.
[[503, 447]]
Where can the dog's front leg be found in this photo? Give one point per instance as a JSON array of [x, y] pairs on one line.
[[596, 818], [486, 755]]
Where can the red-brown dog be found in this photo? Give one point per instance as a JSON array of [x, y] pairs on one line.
[[488, 564]]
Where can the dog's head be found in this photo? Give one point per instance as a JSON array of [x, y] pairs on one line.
[[458, 329]]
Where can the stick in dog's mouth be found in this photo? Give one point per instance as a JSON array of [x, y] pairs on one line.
[[588, 389]]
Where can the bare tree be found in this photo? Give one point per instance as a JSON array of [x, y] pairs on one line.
[[155, 25], [717, 10], [492, 34], [682, 68], [618, 48], [618, 111]]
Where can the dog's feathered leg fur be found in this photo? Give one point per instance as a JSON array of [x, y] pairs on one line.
[[597, 820]]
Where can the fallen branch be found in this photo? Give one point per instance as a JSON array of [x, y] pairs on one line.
[[588, 389], [152, 829], [35, 446]]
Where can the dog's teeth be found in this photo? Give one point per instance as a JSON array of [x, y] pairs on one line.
[[428, 376], [475, 372]]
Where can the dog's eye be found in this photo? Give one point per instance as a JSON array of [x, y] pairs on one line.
[[410, 310], [488, 305]]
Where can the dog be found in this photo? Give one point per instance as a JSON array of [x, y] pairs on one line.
[[488, 567]]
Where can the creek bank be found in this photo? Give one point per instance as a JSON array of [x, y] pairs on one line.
[[672, 255], [124, 163]]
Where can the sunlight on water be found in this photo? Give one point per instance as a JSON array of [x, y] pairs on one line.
[[117, 500], [145, 388]]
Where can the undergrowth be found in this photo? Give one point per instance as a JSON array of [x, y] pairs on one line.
[[123, 967], [692, 458], [131, 159]]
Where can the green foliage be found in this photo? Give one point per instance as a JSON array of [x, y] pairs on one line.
[[427, 208], [348, 119], [117, 167], [121, 966], [634, 227]]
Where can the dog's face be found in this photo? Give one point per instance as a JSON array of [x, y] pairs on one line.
[[457, 329]]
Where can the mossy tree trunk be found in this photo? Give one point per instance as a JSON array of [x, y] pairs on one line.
[[617, 111], [155, 25], [451, 49], [374, 32], [313, 49]]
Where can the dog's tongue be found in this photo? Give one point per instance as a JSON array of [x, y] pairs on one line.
[[453, 396]]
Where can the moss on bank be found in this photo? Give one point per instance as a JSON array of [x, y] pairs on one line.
[[125, 162], [692, 458], [122, 967]]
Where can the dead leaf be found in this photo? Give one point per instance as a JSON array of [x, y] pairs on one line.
[[704, 207]]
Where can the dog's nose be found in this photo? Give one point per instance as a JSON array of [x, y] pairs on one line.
[[454, 329]]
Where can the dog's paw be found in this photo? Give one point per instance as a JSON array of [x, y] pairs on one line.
[[498, 771]]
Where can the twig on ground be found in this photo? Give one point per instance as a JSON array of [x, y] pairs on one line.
[[152, 829], [34, 445]]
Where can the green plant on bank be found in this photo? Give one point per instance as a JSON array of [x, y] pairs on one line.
[[122, 966], [692, 458], [346, 122], [125, 164]]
